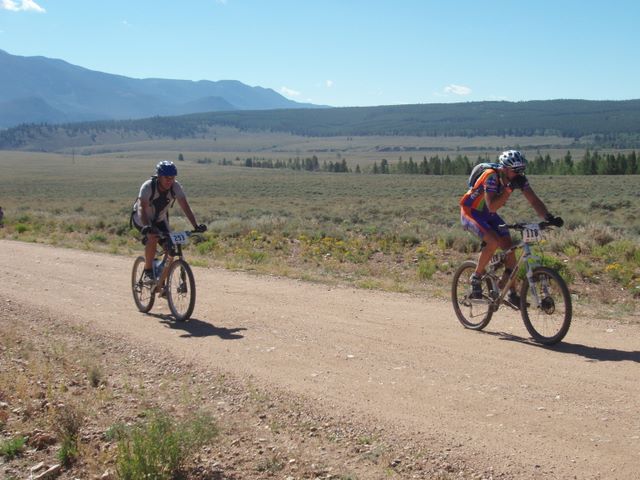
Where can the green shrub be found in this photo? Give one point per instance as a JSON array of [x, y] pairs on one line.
[[585, 269], [623, 274], [12, 448], [270, 465], [98, 237], [257, 257], [557, 265], [571, 251], [409, 239], [21, 227], [158, 448], [68, 421], [95, 376], [426, 269], [207, 246]]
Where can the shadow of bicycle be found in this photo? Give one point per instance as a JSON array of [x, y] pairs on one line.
[[595, 354], [194, 328]]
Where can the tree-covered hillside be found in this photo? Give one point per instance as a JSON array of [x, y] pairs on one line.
[[600, 123]]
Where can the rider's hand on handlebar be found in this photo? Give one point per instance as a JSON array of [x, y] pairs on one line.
[[555, 221], [201, 228]]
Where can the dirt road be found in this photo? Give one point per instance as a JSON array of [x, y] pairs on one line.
[[400, 361]]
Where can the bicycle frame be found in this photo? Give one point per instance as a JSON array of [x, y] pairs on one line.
[[169, 252], [531, 262]]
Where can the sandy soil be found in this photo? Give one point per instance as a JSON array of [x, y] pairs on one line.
[[398, 362]]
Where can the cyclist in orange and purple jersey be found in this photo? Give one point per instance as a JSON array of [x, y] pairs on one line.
[[478, 214]]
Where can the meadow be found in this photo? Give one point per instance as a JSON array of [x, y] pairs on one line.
[[392, 232]]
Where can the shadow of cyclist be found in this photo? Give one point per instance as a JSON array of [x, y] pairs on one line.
[[197, 328], [595, 354]]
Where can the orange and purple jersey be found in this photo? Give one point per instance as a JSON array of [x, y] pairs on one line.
[[474, 199], [475, 215]]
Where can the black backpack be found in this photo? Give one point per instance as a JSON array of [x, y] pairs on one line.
[[154, 187], [479, 170]]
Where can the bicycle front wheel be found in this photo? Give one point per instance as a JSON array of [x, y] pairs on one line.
[[181, 290], [143, 293], [473, 314], [549, 322]]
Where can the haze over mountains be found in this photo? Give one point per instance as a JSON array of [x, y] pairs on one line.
[[45, 90]]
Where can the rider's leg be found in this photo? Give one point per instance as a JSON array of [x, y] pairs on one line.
[[150, 251], [492, 242], [479, 224], [506, 243], [510, 264]]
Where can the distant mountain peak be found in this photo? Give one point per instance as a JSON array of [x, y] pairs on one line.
[[75, 93]]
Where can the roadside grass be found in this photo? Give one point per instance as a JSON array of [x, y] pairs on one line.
[[68, 420], [11, 448], [159, 447], [393, 232], [51, 404]]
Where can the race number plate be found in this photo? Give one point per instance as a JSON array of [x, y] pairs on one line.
[[178, 238], [531, 233]]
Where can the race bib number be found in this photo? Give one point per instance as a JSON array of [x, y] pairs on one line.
[[178, 238], [531, 233]]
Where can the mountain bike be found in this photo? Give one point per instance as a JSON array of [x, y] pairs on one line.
[[545, 301], [173, 277]]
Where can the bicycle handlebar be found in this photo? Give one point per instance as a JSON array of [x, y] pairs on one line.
[[161, 234], [522, 225]]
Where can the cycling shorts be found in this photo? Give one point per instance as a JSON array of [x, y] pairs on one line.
[[162, 226], [479, 223]]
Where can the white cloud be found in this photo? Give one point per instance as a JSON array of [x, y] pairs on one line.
[[24, 5], [329, 83], [457, 89], [289, 92], [126, 24]]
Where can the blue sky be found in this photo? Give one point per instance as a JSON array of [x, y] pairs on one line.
[[348, 53]]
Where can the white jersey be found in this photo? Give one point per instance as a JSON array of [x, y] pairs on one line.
[[160, 202]]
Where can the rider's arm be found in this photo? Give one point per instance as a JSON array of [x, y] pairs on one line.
[[145, 211], [496, 193], [186, 208], [535, 202], [496, 201]]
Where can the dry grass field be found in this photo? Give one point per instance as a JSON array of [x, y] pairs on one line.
[[393, 232]]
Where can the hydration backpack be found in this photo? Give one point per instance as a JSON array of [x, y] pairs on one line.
[[479, 170]]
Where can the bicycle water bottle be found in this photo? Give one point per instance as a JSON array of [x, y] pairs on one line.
[[158, 266]]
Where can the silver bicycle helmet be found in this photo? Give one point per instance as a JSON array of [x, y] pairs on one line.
[[513, 159]]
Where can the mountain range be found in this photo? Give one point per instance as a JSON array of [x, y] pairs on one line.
[[46, 90]]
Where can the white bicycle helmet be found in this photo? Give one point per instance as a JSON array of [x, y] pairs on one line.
[[513, 159]]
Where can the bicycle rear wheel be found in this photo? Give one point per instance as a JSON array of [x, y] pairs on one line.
[[143, 293], [181, 290], [473, 314], [549, 323]]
